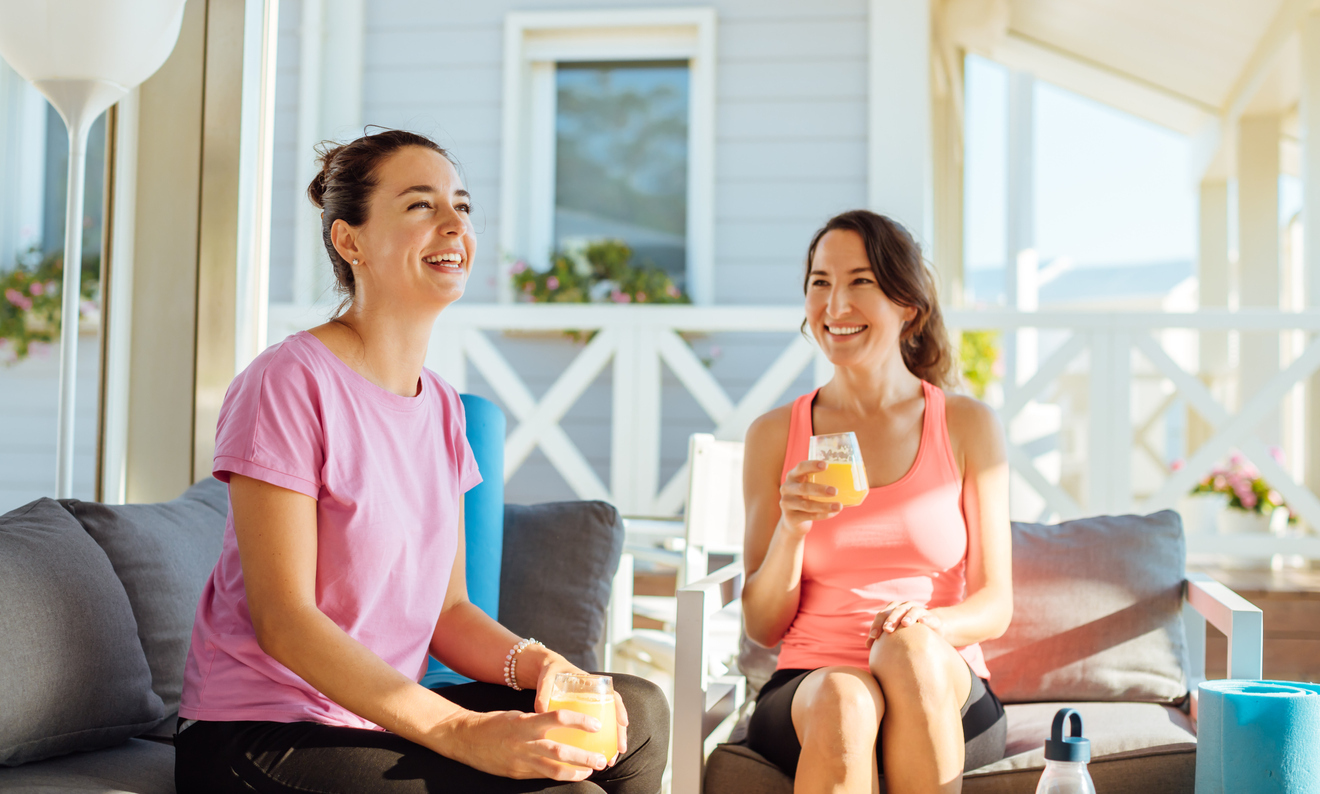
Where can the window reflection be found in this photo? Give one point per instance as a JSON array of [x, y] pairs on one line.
[[621, 133]]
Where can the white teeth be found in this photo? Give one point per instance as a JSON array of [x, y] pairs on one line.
[[845, 330], [444, 258]]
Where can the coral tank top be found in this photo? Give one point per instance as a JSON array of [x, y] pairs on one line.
[[906, 541]]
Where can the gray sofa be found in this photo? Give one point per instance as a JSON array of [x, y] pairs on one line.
[[1098, 626], [96, 612]]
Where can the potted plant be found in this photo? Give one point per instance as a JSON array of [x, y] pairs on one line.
[[1249, 504]]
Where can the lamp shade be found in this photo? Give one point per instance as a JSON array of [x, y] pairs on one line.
[[122, 42]]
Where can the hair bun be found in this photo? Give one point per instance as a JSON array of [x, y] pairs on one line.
[[326, 152]]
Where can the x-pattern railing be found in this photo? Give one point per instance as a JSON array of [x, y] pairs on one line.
[[639, 340]]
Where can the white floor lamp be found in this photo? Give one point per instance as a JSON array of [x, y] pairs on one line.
[[84, 56]]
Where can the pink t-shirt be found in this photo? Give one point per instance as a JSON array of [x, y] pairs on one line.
[[387, 473]]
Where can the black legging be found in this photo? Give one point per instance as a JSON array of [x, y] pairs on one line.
[[282, 758]]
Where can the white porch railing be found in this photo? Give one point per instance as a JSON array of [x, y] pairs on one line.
[[639, 339]]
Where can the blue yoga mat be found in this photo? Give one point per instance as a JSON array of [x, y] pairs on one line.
[[1258, 737], [483, 509]]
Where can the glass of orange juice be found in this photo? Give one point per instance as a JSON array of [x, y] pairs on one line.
[[586, 694], [844, 469]]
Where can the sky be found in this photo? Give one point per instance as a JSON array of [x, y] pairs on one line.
[[1110, 188]]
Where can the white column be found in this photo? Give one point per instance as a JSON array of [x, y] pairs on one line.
[[1309, 111], [1212, 271], [1020, 258], [1258, 255], [898, 118]]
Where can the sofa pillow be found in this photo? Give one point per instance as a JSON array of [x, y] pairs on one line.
[[1097, 612], [163, 554], [72, 674], [557, 571]]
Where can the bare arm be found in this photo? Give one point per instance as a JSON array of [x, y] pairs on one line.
[[277, 544], [988, 607], [778, 520]]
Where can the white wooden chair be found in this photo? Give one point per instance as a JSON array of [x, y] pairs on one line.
[[708, 706]]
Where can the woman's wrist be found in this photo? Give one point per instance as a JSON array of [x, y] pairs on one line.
[[531, 662]]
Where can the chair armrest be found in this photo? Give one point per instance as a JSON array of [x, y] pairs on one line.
[[1239, 619], [704, 707]]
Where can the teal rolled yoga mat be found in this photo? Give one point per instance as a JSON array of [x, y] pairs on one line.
[[483, 516], [1258, 737]]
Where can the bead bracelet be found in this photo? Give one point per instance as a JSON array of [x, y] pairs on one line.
[[511, 662]]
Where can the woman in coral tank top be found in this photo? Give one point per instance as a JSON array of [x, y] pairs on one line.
[[879, 607]]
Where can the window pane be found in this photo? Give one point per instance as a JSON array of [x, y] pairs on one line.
[[621, 158], [34, 161]]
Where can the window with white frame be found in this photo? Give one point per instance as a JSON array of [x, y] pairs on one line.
[[609, 134]]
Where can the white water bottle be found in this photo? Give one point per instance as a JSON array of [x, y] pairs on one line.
[[1065, 758]]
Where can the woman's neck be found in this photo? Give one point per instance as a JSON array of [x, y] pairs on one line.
[[386, 348], [862, 390]]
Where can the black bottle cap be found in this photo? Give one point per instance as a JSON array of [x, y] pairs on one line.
[[1073, 748]]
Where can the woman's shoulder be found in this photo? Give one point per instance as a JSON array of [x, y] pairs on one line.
[[968, 413], [972, 424], [766, 441]]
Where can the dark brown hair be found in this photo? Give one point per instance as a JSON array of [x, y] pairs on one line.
[[342, 189], [906, 280]]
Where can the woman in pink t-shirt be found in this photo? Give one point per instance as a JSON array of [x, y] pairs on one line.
[[879, 607], [343, 558]]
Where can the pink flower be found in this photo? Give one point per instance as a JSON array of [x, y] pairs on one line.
[[1236, 459], [519, 267], [1275, 497], [18, 299], [620, 297], [1277, 454], [1177, 465], [1219, 482], [673, 291], [641, 297], [1248, 500], [37, 288], [552, 283]]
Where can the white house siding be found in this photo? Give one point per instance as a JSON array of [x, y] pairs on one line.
[[29, 401], [790, 152]]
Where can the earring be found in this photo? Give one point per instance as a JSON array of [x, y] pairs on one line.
[[355, 261]]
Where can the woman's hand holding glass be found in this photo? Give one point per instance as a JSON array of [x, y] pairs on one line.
[[801, 501], [550, 670]]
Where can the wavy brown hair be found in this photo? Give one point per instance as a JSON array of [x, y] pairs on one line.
[[906, 280]]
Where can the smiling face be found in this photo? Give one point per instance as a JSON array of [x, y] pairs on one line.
[[852, 319], [416, 247]]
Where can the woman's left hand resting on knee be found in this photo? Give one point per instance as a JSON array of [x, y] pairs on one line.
[[277, 541]]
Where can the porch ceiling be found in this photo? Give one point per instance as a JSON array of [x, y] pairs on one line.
[[1184, 64]]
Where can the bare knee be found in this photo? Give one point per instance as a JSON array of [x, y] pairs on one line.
[[913, 660], [843, 704]]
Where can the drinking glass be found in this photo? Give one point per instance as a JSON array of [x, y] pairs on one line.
[[586, 694], [844, 469]]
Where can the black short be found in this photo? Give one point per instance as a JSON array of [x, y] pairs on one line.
[[771, 732]]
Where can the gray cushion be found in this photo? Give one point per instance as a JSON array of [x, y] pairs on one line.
[[72, 674], [137, 766], [1138, 747], [1097, 612], [556, 574], [163, 554]]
